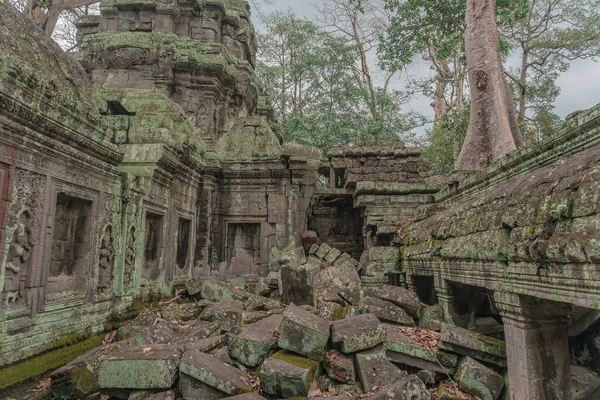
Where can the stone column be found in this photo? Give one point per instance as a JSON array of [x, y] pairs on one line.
[[537, 347], [446, 299]]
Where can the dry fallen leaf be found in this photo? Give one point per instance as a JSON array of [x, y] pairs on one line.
[[109, 337], [146, 349]]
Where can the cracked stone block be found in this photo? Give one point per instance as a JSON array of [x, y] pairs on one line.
[[386, 311], [213, 372], [256, 342], [139, 367], [323, 250], [180, 312], [223, 291], [330, 311], [374, 369], [201, 330], [402, 349], [357, 333], [208, 344], [335, 277], [332, 255], [405, 388], [432, 317], [472, 344], [286, 375], [401, 297], [298, 284], [339, 366], [229, 313], [193, 389], [304, 333], [478, 380]]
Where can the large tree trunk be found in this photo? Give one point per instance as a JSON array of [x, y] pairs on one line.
[[493, 128]]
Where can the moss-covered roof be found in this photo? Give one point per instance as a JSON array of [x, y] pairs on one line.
[[26, 51]]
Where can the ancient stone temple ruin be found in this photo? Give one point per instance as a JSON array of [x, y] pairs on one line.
[[159, 238]]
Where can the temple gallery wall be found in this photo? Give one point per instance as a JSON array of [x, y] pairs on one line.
[[151, 159]]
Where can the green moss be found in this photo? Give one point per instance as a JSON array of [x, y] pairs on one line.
[[39, 365], [85, 379], [338, 314], [298, 361]]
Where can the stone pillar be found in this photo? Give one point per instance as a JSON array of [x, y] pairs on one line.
[[446, 299], [537, 347]]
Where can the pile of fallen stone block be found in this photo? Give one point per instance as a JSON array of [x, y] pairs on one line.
[[338, 340]]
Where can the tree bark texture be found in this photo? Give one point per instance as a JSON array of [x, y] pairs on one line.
[[493, 129]]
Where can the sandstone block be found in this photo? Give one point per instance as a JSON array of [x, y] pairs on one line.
[[432, 317], [403, 298], [374, 369], [304, 333], [340, 367], [406, 388], [213, 372], [357, 333], [285, 375], [474, 345], [386, 311], [139, 367], [256, 342], [298, 284], [478, 380]]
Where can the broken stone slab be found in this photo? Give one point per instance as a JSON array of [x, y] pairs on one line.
[[478, 380], [352, 296], [332, 255], [401, 297], [304, 333], [357, 333], [223, 355], [201, 330], [146, 317], [262, 287], [405, 388], [374, 369], [180, 312], [208, 344], [193, 389], [330, 311], [432, 317], [427, 377], [214, 373], [139, 367], [335, 277], [339, 366], [298, 284], [163, 332], [79, 378], [585, 384], [260, 303], [256, 342], [194, 286], [222, 291], [322, 251], [386, 311], [472, 344], [402, 349], [230, 313], [286, 375]]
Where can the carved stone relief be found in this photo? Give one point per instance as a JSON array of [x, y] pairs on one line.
[[17, 263], [129, 258], [105, 262]]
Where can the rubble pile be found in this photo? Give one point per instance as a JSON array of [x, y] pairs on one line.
[[336, 340]]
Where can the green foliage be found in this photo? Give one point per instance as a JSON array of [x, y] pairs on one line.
[[310, 74], [446, 140]]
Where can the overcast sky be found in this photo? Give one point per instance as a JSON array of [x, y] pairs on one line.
[[580, 86]]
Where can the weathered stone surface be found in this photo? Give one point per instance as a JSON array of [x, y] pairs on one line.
[[340, 367], [330, 311], [471, 344], [146, 317], [201, 330], [193, 389], [402, 349], [180, 312], [478, 380], [403, 298], [445, 392], [163, 332], [260, 303], [222, 291], [374, 369], [406, 388], [207, 344], [263, 288], [298, 284], [139, 367], [323, 250], [427, 377], [230, 313], [256, 342], [432, 317], [79, 378], [211, 371], [304, 333], [386, 311], [357, 333], [336, 277], [287, 375], [585, 384], [352, 296]]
